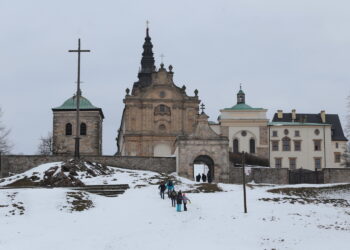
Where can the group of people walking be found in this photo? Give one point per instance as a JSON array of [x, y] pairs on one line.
[[204, 177], [177, 198]]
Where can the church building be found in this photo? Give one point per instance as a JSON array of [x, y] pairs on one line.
[[156, 111]]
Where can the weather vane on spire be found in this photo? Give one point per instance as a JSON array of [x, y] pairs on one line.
[[147, 24], [240, 86]]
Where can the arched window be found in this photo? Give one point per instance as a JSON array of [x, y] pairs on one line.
[[252, 146], [286, 144], [162, 110], [82, 129], [68, 129], [235, 146]]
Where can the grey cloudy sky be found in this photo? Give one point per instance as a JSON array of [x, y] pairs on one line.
[[288, 54]]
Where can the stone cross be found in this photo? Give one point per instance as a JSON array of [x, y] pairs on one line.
[[202, 108]]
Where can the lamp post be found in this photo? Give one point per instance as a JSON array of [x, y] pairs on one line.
[[243, 182]]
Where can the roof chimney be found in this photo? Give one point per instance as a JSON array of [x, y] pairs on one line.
[[323, 116], [294, 115], [279, 114]]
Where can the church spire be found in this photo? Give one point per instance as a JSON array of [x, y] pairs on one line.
[[240, 96], [147, 61]]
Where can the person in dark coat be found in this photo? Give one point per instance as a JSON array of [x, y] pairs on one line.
[[209, 177], [198, 178], [178, 201], [173, 196], [162, 189], [204, 178]]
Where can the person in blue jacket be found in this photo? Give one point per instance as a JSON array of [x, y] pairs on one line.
[[170, 187]]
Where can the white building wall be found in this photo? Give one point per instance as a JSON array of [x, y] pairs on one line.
[[340, 150], [306, 157], [243, 141]]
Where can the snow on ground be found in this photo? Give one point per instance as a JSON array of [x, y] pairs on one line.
[[139, 219]]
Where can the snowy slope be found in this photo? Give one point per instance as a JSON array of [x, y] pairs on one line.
[[139, 219]]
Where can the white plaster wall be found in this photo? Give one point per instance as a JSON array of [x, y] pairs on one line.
[[341, 149], [244, 114], [305, 157], [252, 132]]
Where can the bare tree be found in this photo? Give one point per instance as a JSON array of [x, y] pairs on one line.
[[346, 154], [5, 146], [46, 145]]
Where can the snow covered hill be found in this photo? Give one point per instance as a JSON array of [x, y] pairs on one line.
[[45, 218]]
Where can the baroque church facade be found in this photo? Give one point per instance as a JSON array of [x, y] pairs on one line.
[[156, 111]]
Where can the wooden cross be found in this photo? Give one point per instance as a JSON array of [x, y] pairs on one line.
[[77, 138]]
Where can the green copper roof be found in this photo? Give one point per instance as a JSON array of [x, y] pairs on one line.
[[240, 92], [71, 103], [242, 106]]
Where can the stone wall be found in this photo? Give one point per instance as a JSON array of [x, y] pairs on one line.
[[281, 175], [336, 175], [260, 175], [15, 164], [90, 144]]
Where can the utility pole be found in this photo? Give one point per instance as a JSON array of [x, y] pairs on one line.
[[243, 182], [78, 95]]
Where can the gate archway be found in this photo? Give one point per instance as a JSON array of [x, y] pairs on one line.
[[204, 164]]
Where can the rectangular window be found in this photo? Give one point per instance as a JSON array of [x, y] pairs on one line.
[[317, 163], [274, 145], [297, 145], [286, 144], [292, 163], [317, 145], [297, 133], [274, 133], [337, 157], [278, 162]]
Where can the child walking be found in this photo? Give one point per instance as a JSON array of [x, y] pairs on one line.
[[185, 200]]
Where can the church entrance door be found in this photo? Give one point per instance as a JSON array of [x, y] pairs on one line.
[[203, 164]]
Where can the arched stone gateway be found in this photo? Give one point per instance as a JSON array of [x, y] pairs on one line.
[[203, 146], [207, 162]]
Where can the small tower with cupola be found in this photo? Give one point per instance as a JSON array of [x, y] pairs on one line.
[[64, 127]]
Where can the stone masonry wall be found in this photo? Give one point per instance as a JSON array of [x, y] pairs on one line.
[[260, 175], [336, 175], [90, 144], [15, 164]]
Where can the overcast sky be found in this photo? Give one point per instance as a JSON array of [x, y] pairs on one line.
[[288, 54]]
